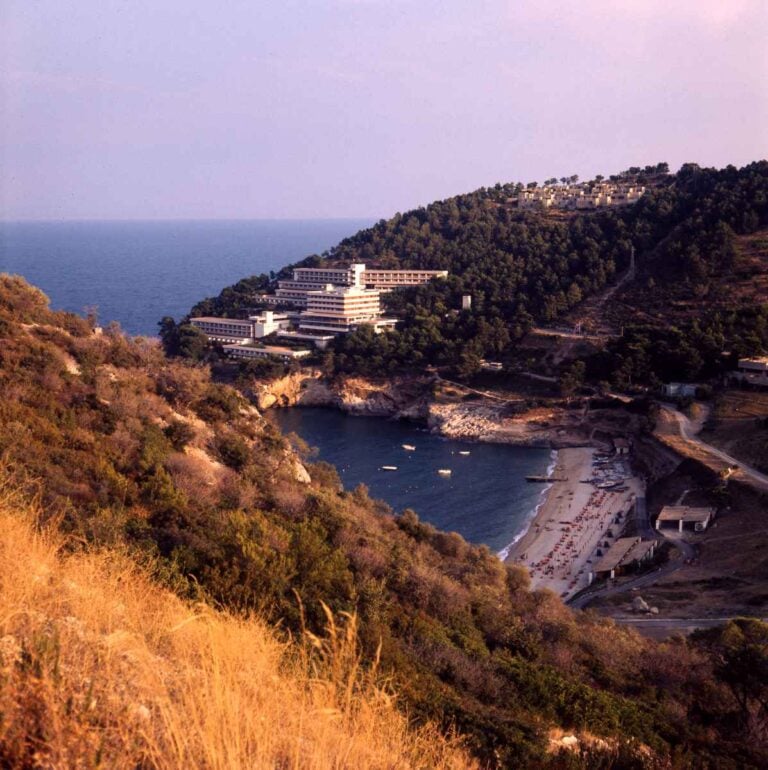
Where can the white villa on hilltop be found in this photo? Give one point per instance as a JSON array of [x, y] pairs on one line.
[[578, 197]]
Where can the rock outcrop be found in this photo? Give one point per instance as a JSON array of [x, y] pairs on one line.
[[401, 398]]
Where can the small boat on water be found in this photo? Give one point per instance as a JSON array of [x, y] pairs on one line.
[[444, 471], [464, 452], [409, 447], [389, 467]]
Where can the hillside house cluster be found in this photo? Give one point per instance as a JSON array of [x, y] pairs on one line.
[[578, 197], [322, 303]]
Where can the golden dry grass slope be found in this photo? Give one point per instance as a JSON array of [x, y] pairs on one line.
[[99, 667]]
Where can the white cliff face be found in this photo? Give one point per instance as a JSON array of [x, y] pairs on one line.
[[400, 397]]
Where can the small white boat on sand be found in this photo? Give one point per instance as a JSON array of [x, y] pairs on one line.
[[444, 471], [389, 467], [409, 447]]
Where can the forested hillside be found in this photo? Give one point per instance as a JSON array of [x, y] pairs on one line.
[[525, 267], [131, 450]]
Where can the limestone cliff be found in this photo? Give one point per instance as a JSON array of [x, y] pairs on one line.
[[403, 398]]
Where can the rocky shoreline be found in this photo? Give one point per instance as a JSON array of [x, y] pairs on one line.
[[414, 399]]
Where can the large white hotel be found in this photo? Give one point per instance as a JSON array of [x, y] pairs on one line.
[[293, 292], [332, 300]]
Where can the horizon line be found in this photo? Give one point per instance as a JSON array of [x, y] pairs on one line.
[[91, 220]]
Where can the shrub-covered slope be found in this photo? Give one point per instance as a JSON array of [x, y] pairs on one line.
[[129, 449], [101, 668]]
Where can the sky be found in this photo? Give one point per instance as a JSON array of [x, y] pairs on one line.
[[164, 109]]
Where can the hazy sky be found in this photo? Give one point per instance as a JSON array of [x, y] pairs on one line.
[[340, 108]]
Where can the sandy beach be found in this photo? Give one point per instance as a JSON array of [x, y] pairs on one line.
[[573, 523]]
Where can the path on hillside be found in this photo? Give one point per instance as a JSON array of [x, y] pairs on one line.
[[483, 393], [590, 308], [626, 278], [689, 430]]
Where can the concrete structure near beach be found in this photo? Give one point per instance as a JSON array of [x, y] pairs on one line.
[[625, 553], [681, 516]]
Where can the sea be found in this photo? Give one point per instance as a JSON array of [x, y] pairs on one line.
[[486, 498], [137, 272]]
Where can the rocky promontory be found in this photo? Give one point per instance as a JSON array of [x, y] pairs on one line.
[[445, 409]]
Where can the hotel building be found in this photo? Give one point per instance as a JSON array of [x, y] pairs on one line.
[[235, 330], [308, 279], [340, 310], [286, 355]]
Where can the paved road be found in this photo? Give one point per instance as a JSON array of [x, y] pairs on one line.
[[659, 628], [689, 431]]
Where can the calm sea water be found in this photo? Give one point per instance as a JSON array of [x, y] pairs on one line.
[[486, 499], [138, 272]]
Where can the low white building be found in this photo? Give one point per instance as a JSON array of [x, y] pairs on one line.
[[698, 519], [680, 389], [268, 322], [265, 351], [626, 552], [234, 330], [224, 329], [752, 371]]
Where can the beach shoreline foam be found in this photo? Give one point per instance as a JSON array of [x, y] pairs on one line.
[[503, 554]]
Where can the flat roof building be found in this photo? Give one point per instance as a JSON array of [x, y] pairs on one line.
[[224, 329], [752, 371], [621, 446], [697, 519], [234, 330], [294, 291], [265, 351], [624, 553], [338, 310]]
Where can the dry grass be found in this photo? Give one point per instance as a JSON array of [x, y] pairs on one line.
[[101, 668]]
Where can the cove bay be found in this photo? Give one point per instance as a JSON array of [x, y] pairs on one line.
[[486, 498]]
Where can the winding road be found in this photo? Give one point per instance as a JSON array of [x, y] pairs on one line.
[[689, 430]]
